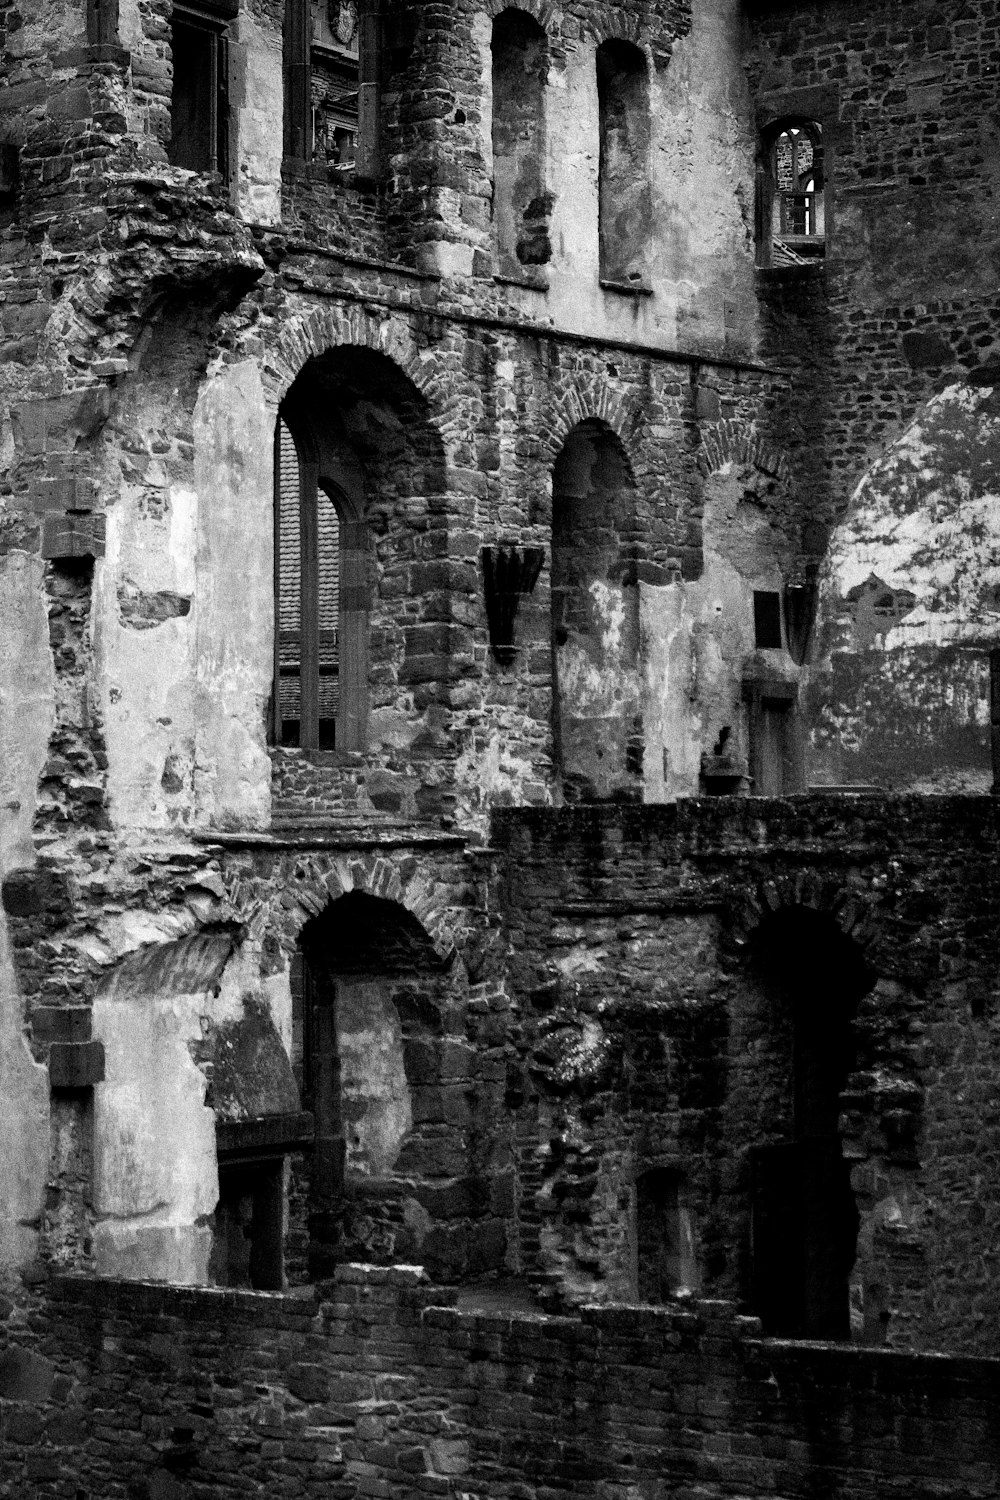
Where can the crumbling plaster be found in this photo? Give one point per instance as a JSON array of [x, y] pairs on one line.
[[26, 719], [910, 608], [698, 637], [701, 165]]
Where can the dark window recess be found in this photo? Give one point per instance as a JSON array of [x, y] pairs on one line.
[[199, 110], [247, 1250], [767, 620], [9, 174], [662, 1241], [625, 206]]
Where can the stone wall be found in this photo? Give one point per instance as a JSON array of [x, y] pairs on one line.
[[384, 1389], [649, 1038]]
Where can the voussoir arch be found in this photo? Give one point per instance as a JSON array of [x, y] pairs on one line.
[[324, 329], [731, 441], [593, 402], [546, 14], [851, 909], [307, 885]]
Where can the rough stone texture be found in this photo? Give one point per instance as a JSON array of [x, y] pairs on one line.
[[406, 1001], [385, 1388]]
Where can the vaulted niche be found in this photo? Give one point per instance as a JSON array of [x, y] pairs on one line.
[[792, 194], [803, 1215], [521, 206], [354, 457], [364, 984], [597, 731], [625, 205]]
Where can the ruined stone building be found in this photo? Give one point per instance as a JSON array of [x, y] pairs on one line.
[[499, 709]]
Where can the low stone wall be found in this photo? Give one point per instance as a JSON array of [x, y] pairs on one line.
[[126, 1391]]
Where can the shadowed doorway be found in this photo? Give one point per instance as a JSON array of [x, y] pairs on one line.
[[803, 1215]]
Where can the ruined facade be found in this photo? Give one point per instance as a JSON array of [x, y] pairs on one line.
[[500, 566]]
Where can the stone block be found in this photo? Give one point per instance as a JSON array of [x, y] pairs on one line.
[[25, 1376], [61, 1023], [71, 536], [76, 1065]]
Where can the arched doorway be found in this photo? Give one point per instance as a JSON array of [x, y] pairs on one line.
[[804, 1221], [368, 997]]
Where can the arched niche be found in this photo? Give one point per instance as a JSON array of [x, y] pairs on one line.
[[595, 618], [371, 1002], [625, 205], [521, 205]]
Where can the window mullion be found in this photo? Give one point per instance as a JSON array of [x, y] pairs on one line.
[[309, 605]]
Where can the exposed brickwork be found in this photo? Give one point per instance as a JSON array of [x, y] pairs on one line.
[[385, 1389]]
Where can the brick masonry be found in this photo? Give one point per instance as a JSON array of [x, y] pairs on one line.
[[384, 1388]]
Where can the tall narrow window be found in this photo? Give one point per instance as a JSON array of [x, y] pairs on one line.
[[333, 75], [793, 199], [307, 580], [521, 206], [199, 103], [625, 205]]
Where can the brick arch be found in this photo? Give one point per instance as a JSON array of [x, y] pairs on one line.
[[730, 441], [592, 401], [614, 23], [545, 13], [307, 885], [852, 911], [335, 327]]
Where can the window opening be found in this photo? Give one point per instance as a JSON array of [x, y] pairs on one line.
[[335, 83], [249, 1220], [199, 107], [767, 620], [307, 591], [521, 207], [333, 78], [625, 206], [794, 201], [663, 1235], [804, 1217]]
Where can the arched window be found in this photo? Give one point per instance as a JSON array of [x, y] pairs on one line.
[[320, 651], [793, 200], [625, 206], [521, 206]]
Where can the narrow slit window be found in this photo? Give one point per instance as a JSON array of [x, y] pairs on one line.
[[767, 620]]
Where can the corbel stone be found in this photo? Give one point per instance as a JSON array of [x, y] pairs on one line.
[[509, 573]]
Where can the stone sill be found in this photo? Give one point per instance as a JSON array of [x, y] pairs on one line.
[[627, 289], [539, 283], [330, 833]]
